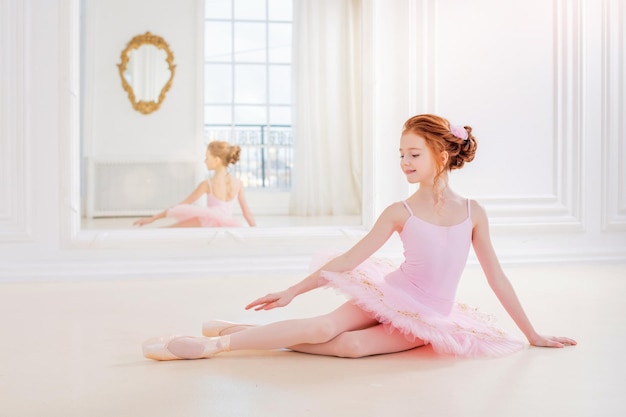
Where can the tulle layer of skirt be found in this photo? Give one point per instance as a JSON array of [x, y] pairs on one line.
[[464, 332], [207, 216]]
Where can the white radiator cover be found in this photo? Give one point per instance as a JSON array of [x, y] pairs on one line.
[[136, 188]]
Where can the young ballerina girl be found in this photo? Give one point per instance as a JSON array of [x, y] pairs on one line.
[[393, 309], [221, 191]]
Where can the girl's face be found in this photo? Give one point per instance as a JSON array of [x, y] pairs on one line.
[[416, 159]]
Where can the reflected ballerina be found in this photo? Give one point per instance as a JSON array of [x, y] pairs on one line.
[[221, 190]]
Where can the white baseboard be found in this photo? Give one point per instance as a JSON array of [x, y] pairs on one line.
[[296, 266]]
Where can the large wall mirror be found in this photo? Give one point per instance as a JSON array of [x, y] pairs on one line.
[[187, 98]]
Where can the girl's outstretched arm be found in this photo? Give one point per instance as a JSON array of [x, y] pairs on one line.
[[501, 285], [390, 220], [201, 189]]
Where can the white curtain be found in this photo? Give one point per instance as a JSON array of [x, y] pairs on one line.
[[326, 64]]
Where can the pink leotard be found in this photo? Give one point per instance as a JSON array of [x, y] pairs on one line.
[[217, 213], [418, 297]]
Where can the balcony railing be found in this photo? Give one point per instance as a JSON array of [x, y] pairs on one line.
[[266, 153]]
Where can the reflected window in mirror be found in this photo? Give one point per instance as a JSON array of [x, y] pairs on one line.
[[247, 81]]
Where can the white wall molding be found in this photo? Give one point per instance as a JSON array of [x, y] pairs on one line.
[[96, 269], [569, 117], [142, 267], [15, 197], [69, 121], [613, 115], [561, 210]]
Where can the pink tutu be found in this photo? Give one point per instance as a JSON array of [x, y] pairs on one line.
[[458, 329], [214, 216]]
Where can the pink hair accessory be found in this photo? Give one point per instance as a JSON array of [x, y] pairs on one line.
[[459, 132]]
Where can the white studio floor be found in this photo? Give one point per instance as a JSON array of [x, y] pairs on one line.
[[261, 221], [74, 349]]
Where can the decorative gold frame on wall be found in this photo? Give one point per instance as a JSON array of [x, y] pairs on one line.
[[146, 107]]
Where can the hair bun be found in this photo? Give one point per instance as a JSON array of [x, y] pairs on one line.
[[235, 153], [466, 149]]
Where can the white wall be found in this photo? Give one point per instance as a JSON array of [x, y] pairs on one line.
[[542, 85], [541, 82]]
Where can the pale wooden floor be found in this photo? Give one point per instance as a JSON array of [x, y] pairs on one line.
[[261, 221], [73, 349]]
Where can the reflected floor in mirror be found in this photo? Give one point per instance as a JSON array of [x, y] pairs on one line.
[[262, 221], [74, 349]]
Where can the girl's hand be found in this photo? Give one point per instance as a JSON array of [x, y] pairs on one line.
[[551, 341], [270, 301], [145, 220]]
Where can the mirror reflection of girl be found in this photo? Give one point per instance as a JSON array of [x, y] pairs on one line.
[[393, 309], [221, 190]]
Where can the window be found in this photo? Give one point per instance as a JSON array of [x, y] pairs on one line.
[[247, 78]]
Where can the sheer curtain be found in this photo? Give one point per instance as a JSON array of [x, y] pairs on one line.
[[327, 108]]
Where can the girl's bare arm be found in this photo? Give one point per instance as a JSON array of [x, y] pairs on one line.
[[501, 285], [389, 221], [245, 209], [201, 189]]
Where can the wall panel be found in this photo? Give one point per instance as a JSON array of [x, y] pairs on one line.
[[15, 202], [614, 115], [514, 74]]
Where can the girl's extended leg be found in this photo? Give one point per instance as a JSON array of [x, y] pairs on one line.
[[193, 222], [311, 331], [272, 336], [374, 340]]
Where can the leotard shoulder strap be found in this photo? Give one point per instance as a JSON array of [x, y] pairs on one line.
[[406, 205]]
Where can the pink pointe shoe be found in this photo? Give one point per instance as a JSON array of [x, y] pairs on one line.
[[170, 348], [215, 328]]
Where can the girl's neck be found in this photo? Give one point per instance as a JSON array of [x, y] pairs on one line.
[[428, 194], [220, 172], [435, 195]]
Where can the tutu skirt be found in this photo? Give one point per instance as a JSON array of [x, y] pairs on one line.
[[208, 216], [464, 332]]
